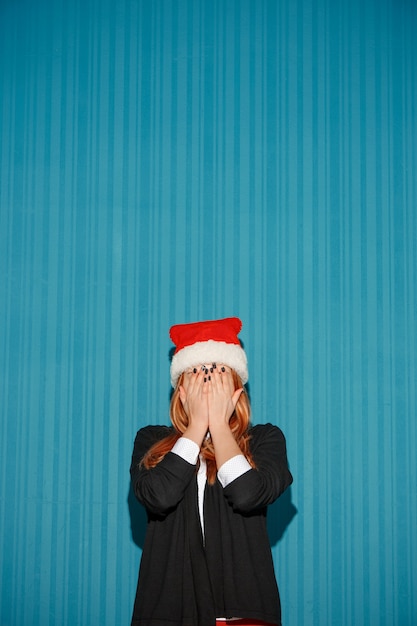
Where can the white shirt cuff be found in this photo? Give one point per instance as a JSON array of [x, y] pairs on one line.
[[186, 449], [232, 469]]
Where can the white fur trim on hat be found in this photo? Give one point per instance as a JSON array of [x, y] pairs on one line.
[[206, 352]]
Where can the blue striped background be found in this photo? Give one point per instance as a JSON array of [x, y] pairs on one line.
[[166, 161]]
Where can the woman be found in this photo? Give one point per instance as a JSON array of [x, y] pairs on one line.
[[205, 483]]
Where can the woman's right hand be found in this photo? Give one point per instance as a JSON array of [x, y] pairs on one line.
[[194, 399]]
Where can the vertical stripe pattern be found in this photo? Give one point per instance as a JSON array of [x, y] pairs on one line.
[[164, 162]]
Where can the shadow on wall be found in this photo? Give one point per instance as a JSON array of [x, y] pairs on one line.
[[280, 515], [138, 518]]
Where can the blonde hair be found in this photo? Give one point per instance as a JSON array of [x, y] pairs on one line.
[[239, 425]]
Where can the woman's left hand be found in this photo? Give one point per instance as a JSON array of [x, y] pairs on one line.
[[222, 396]]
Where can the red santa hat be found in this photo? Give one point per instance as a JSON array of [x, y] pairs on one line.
[[203, 343]]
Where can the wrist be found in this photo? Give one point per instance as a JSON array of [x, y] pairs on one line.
[[196, 432], [221, 427]]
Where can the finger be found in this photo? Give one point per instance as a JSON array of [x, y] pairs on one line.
[[236, 396], [200, 373], [227, 380], [188, 375], [207, 382], [188, 388], [216, 380], [183, 395], [199, 382]]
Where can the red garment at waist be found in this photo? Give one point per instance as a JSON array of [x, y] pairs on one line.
[[241, 622]]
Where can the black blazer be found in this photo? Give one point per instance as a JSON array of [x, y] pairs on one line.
[[184, 581]]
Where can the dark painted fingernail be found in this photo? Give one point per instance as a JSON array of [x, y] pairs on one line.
[[206, 371], [223, 370], [205, 379], [211, 369], [209, 377], [195, 371], [214, 366]]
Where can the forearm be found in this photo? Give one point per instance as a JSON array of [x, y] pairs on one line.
[[196, 431], [160, 488], [271, 476], [224, 443]]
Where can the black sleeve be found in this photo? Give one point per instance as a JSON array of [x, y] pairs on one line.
[[261, 486], [161, 488]]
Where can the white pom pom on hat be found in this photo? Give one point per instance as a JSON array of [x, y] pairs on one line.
[[212, 341]]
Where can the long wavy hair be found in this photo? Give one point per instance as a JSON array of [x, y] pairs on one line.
[[239, 425]]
